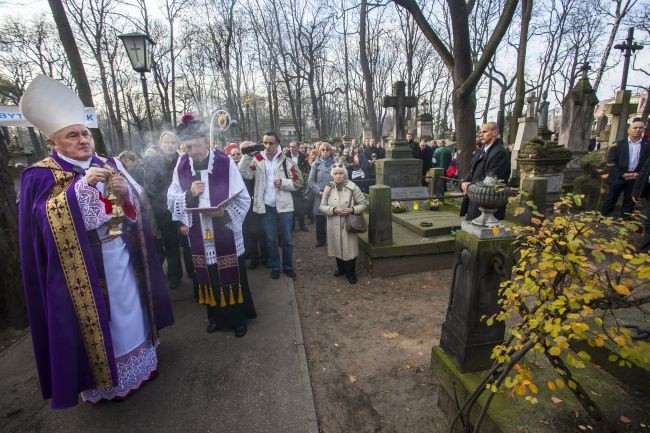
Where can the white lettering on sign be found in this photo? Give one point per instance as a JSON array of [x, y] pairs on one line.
[[10, 115]]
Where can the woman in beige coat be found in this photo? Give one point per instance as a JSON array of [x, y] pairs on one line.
[[340, 199]]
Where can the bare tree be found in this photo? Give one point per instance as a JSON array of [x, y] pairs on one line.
[[466, 74], [93, 21]]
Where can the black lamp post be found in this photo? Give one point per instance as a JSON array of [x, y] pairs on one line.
[[139, 47]]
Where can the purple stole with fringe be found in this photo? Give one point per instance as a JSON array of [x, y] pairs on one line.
[[224, 239]]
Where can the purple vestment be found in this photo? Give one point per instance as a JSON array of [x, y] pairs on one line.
[[66, 305]]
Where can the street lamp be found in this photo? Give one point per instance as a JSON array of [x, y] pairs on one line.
[[139, 48]]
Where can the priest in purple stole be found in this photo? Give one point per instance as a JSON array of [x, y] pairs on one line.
[[208, 196], [94, 288]]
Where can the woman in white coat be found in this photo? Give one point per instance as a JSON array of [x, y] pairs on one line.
[[340, 199]]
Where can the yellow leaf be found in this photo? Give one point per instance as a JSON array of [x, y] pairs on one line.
[[556, 400], [551, 385], [620, 340], [495, 230], [554, 351], [622, 290], [533, 388], [560, 383]]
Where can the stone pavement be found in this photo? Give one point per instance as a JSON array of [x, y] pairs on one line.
[[208, 382]]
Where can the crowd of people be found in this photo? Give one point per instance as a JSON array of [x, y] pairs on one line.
[[95, 232]]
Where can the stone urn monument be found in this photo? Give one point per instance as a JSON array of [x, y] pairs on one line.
[[547, 159], [489, 194]]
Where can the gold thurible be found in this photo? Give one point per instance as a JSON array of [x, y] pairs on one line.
[[117, 212]]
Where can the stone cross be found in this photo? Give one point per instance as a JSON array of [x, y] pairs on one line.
[[627, 47], [531, 100], [400, 102]]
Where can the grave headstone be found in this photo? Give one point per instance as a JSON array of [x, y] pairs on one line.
[[436, 183], [525, 131], [577, 120], [425, 125], [547, 159]]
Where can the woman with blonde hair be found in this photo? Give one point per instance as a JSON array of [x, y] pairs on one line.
[[319, 177], [341, 198]]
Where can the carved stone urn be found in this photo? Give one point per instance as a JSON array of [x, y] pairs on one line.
[[489, 194]]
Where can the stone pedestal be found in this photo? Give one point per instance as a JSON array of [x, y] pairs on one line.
[[526, 130], [380, 226], [551, 169], [404, 172], [482, 262]]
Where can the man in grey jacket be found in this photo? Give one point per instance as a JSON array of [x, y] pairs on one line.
[[275, 178]]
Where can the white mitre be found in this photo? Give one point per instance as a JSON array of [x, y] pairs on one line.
[[50, 105]]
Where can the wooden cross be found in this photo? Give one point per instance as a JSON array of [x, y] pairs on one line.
[[400, 102]]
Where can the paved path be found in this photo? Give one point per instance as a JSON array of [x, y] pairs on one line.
[[208, 382]]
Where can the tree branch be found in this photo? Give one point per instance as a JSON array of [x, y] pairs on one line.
[[490, 48], [427, 30]]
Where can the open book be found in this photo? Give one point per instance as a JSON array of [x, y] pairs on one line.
[[211, 208]]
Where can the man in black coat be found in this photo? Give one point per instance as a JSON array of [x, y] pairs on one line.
[[299, 205], [493, 160], [424, 153], [625, 159], [642, 189], [158, 172], [412, 144]]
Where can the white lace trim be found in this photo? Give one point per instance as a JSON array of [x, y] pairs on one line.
[[133, 369], [92, 208], [210, 163]]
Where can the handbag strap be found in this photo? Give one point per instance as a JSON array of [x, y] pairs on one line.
[[350, 201]]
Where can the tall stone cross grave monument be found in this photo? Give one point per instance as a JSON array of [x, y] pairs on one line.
[[621, 109], [399, 169]]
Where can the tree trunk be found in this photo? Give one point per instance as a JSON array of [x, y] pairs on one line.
[[76, 65], [12, 301], [365, 68], [465, 126], [520, 86]]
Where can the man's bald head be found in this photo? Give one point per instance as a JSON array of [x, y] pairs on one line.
[[489, 133]]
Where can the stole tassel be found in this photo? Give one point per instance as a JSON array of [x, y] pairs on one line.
[[240, 296], [231, 301], [223, 299], [213, 302], [201, 297]]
